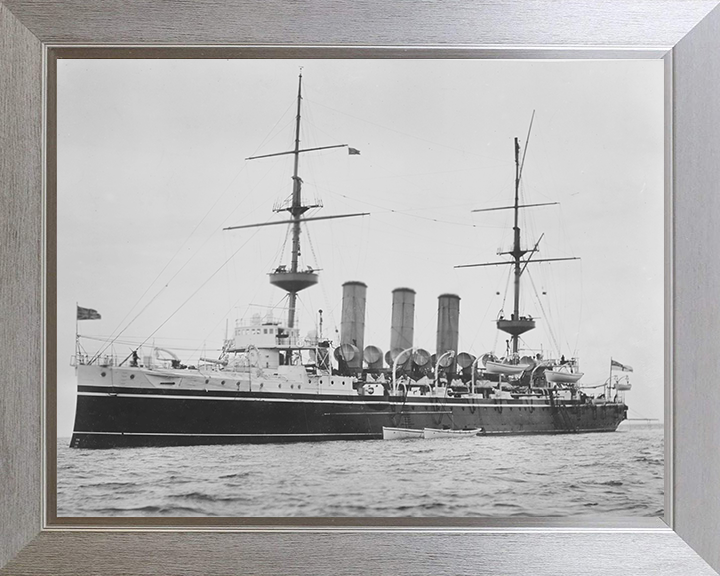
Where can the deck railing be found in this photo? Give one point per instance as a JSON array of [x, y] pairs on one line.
[[88, 359]]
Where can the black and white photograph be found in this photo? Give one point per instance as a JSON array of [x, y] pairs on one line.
[[360, 288]]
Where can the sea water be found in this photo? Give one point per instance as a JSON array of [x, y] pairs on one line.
[[618, 473]]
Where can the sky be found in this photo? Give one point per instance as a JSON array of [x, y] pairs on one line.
[[152, 165]]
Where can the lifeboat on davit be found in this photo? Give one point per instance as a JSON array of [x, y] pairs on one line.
[[494, 367], [562, 375]]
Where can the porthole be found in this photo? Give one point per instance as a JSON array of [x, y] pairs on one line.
[[132, 376], [207, 381], [292, 386], [261, 384], [279, 385], [102, 374], [223, 382]]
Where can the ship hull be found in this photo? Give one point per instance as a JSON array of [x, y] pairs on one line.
[[110, 418]]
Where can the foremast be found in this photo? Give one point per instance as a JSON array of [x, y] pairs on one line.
[[291, 281], [294, 280]]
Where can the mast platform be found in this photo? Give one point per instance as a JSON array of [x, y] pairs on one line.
[[293, 281], [516, 326]]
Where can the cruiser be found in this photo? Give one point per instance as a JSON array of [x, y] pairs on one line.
[[270, 384]]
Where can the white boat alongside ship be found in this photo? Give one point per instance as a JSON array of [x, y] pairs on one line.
[[390, 433], [433, 433], [401, 433]]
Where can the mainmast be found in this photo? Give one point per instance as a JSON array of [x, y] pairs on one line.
[[517, 325], [295, 280], [517, 252]]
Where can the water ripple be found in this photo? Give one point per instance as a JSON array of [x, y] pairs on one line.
[[617, 474]]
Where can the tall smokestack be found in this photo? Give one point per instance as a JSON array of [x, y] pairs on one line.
[[352, 325], [403, 318], [448, 323]]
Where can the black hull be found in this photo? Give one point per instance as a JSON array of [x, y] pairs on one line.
[[142, 417]]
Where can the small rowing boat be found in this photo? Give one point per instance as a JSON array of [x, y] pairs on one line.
[[505, 369], [430, 433], [401, 433], [562, 376]]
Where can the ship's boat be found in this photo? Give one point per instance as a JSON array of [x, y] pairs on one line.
[[401, 433], [270, 384], [561, 376], [505, 369], [433, 433]]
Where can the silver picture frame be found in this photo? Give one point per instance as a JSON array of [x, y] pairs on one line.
[[686, 35]]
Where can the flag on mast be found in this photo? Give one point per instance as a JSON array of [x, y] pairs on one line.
[[353, 151], [619, 366], [87, 314]]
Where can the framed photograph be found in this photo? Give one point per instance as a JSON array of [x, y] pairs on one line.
[[380, 262], [78, 124]]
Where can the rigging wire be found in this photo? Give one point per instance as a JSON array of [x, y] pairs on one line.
[[267, 137], [408, 135], [408, 212], [198, 288], [507, 284], [528, 224], [580, 314], [192, 232], [404, 176], [328, 309], [567, 239], [310, 242], [172, 258], [225, 315], [116, 331], [134, 342], [281, 253], [127, 339], [321, 187], [527, 141], [639, 414], [480, 324], [310, 312], [542, 308]]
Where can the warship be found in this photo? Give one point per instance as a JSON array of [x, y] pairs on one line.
[[270, 384]]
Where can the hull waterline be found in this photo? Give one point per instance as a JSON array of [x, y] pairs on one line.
[[141, 417]]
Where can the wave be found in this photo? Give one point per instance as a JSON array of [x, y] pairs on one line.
[[571, 475]]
